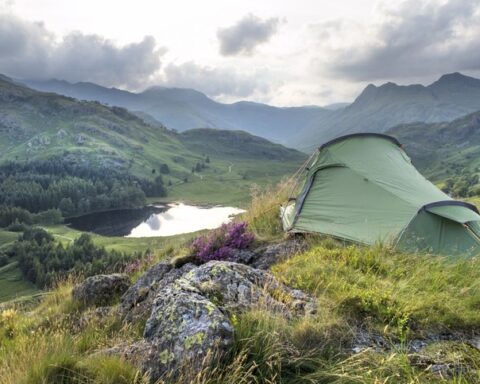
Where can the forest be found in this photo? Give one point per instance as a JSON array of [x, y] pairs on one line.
[[71, 187], [43, 261]]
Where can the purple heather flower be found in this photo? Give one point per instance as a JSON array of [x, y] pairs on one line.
[[220, 243]]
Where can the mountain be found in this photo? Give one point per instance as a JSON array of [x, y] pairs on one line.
[[236, 144], [377, 109], [336, 106], [442, 149], [183, 109], [38, 125]]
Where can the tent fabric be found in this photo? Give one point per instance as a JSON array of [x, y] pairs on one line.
[[434, 234], [456, 213], [364, 188]]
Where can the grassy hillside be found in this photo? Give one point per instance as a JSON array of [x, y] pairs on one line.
[[376, 109], [38, 125], [183, 109], [441, 150], [382, 317]]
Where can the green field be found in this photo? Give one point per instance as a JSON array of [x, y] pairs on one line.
[[13, 285]]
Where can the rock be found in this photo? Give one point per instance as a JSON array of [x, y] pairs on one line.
[[184, 328], [101, 289], [189, 322], [242, 256], [137, 301], [269, 255]]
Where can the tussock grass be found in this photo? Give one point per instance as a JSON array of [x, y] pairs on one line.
[[375, 289], [263, 214], [381, 288], [52, 343]]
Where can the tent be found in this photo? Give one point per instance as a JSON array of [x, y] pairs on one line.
[[364, 188]]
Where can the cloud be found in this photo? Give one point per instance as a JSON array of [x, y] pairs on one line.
[[216, 82], [414, 39], [243, 37], [29, 50]]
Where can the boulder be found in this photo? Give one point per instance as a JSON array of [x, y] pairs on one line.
[[137, 301], [269, 255], [189, 322], [101, 289], [243, 256]]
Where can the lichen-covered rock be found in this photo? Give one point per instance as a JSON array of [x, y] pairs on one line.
[[189, 323], [137, 301], [236, 287], [101, 289], [269, 255], [185, 328], [243, 256]]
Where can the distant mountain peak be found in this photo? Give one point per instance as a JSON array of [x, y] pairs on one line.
[[455, 79]]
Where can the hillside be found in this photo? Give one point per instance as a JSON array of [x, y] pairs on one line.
[[38, 125], [236, 145], [377, 109], [442, 149], [183, 109], [327, 312]]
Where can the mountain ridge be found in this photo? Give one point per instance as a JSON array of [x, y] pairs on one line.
[[379, 108], [375, 109], [36, 125], [186, 108]]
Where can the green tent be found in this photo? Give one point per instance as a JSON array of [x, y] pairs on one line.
[[364, 188]]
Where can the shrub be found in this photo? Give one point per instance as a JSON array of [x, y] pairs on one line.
[[17, 227], [220, 243], [3, 259]]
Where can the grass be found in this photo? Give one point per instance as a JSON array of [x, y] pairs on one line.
[[398, 297], [14, 286], [12, 283], [65, 234], [50, 346], [263, 214]]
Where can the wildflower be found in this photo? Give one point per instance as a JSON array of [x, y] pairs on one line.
[[220, 243]]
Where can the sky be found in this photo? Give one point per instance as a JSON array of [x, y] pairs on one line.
[[281, 52]]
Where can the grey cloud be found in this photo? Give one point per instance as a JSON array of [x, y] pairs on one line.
[[214, 81], [29, 50], [243, 37], [416, 39]]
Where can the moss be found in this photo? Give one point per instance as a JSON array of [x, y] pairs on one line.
[[210, 308], [196, 339], [166, 356]]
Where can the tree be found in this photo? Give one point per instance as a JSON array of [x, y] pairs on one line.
[[3, 259], [207, 160], [66, 206], [164, 169]]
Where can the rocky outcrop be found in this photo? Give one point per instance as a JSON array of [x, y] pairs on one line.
[[137, 301], [101, 289], [276, 253], [189, 323], [268, 255]]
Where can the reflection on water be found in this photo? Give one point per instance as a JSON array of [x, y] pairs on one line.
[[172, 219], [181, 218]]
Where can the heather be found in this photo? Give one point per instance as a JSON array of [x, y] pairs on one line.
[[221, 243]]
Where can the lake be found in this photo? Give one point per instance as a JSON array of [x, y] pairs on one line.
[[157, 220]]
